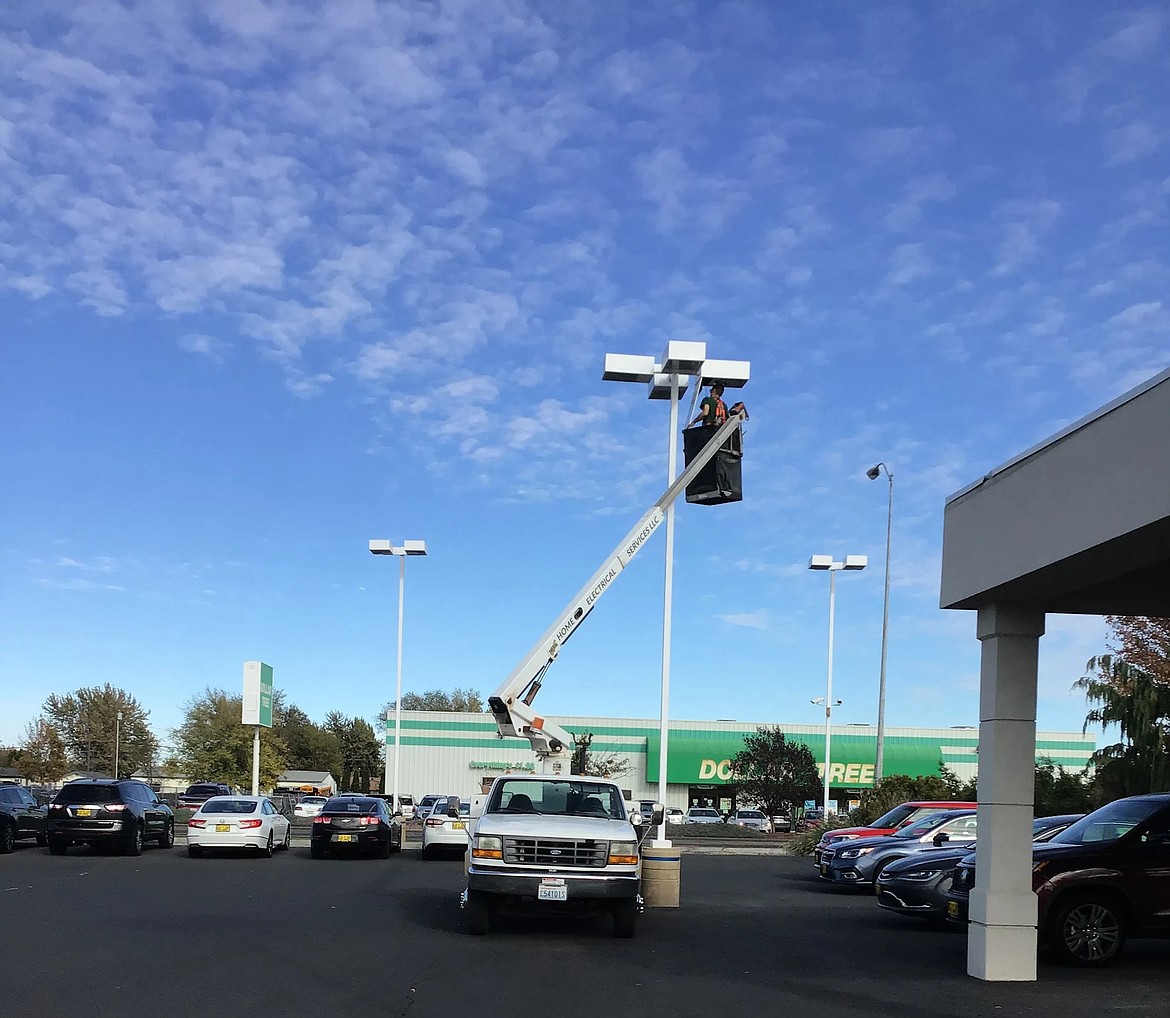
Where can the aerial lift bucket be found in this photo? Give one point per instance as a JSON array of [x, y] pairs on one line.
[[721, 480]]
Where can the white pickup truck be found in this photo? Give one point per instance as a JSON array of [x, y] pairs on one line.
[[554, 844]]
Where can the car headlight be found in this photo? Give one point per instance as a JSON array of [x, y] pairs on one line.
[[487, 846], [623, 853], [853, 853], [915, 875]]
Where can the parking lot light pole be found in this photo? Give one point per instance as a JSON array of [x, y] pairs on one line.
[[873, 473], [827, 563], [407, 548], [681, 361], [117, 742]]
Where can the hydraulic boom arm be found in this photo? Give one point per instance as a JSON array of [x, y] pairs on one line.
[[512, 702]]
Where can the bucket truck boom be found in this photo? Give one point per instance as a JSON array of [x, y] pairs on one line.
[[511, 704]]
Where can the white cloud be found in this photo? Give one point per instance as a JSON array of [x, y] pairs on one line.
[[1129, 143], [205, 346], [746, 620]]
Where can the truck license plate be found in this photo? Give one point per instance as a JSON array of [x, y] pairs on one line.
[[824, 870], [552, 890]]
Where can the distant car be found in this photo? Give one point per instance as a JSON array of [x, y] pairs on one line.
[[1098, 882], [887, 823], [102, 811], [21, 816], [919, 886], [197, 794], [406, 807], [674, 815], [703, 815], [442, 830], [238, 821], [309, 806], [860, 862], [426, 804], [355, 823], [782, 823], [753, 819]]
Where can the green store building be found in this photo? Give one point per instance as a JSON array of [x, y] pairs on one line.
[[460, 754]]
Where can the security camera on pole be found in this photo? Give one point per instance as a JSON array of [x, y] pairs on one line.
[[257, 709]]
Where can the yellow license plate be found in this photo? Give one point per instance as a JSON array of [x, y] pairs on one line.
[[222, 828], [85, 812], [346, 837], [953, 909], [877, 888], [459, 825]]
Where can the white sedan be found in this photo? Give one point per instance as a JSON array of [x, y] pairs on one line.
[[238, 821], [442, 830], [309, 806]]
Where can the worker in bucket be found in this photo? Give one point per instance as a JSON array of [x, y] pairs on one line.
[[713, 411]]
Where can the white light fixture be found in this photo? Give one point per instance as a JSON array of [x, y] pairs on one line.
[[826, 563], [682, 363], [402, 551]]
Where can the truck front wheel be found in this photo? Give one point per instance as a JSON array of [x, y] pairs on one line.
[[479, 914], [625, 919]]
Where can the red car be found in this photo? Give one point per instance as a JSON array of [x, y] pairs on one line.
[[899, 816]]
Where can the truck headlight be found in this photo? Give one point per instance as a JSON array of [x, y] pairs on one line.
[[487, 847], [623, 853]]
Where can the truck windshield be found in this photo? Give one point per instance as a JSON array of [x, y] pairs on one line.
[[558, 798]]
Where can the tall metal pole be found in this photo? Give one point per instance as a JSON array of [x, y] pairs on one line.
[[879, 762], [398, 685], [664, 715], [256, 762], [829, 693], [117, 742]]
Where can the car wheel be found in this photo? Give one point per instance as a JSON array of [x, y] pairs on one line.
[[270, 848], [425, 852], [396, 846], [625, 919], [133, 844], [167, 838], [58, 846], [316, 852], [42, 840], [194, 851], [479, 914], [8, 839], [287, 838], [1087, 930], [384, 848]]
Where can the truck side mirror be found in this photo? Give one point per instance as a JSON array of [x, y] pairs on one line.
[[453, 806], [658, 815], [636, 819]]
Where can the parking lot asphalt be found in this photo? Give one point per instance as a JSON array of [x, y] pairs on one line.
[[109, 935]]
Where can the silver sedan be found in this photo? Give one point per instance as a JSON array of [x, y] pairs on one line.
[[238, 821]]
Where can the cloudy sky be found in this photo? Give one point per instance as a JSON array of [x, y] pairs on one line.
[[279, 278]]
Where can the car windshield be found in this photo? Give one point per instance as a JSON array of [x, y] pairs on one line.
[[1109, 823], [357, 806], [88, 794], [895, 816], [313, 799], [750, 814], [229, 806], [558, 798], [921, 826], [704, 813]]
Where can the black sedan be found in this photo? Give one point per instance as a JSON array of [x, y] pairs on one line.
[[355, 823], [919, 886]]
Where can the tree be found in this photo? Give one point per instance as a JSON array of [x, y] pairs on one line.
[[773, 773], [1144, 643], [43, 758], [361, 751], [1058, 791], [895, 789], [309, 747], [1132, 699], [86, 721], [596, 765], [212, 745], [462, 700]]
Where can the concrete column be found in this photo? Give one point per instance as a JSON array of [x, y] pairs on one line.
[[1001, 938]]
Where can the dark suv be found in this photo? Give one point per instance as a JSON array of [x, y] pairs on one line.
[[197, 794], [1099, 881], [103, 811], [20, 817]]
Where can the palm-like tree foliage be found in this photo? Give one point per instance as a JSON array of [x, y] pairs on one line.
[[1130, 698]]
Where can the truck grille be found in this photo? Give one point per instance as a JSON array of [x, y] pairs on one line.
[[547, 852]]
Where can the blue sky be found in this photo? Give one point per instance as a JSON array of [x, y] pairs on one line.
[[276, 279]]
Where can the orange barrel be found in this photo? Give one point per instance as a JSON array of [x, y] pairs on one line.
[[661, 877]]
